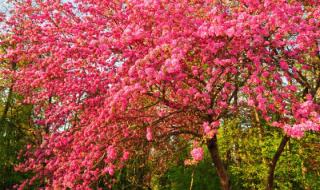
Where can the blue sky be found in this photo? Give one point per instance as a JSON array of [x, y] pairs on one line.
[[3, 5]]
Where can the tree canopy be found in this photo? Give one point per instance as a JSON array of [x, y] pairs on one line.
[[109, 77]]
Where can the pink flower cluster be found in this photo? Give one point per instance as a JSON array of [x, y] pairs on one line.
[[197, 154], [210, 129]]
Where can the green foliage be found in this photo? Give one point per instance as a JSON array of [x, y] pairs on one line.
[[143, 173], [14, 135], [180, 176], [248, 151], [16, 128]]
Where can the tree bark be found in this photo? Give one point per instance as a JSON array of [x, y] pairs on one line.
[[7, 104], [10, 94], [275, 159], [221, 170]]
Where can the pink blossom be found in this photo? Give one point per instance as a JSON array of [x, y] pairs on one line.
[[206, 128], [126, 155], [230, 32], [149, 134], [111, 153], [197, 154], [284, 65]]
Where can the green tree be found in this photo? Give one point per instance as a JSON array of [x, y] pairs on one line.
[[248, 150], [16, 126]]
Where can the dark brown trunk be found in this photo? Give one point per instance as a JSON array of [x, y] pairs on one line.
[[221, 170], [275, 159]]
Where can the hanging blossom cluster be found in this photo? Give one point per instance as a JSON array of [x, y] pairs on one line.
[[210, 129], [307, 119], [106, 75], [197, 154]]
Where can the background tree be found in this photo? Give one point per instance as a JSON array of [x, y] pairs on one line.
[[16, 124]]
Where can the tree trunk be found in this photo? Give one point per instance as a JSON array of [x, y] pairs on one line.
[[7, 103], [221, 170], [275, 159]]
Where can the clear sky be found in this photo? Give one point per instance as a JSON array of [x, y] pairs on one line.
[[3, 9], [3, 5]]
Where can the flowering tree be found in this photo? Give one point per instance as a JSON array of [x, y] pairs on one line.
[[108, 75]]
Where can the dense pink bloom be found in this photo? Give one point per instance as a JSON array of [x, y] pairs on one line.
[[111, 153], [111, 170], [102, 73], [126, 155], [210, 129], [197, 154], [149, 134], [206, 127], [284, 65]]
